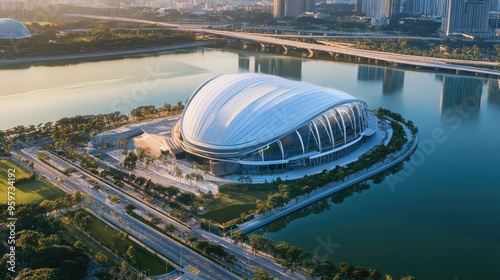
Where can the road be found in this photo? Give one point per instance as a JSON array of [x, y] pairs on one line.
[[165, 246]]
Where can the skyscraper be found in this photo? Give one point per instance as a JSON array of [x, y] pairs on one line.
[[392, 9], [442, 8], [454, 20], [358, 6], [469, 17], [374, 9], [292, 8], [495, 5], [477, 19]]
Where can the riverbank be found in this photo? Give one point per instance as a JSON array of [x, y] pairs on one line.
[[260, 220], [104, 55]]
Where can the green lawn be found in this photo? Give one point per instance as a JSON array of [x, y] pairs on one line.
[[26, 192], [230, 204], [110, 239]]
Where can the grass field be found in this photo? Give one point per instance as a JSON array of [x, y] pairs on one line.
[[26, 192], [109, 238], [230, 204]]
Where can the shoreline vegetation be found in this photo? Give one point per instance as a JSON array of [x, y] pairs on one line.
[[94, 40], [105, 55]]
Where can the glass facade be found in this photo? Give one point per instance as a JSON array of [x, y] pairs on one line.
[[324, 135]]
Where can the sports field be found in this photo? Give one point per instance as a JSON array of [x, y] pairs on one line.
[[34, 191]]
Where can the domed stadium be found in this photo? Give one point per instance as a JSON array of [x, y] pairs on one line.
[[254, 124], [13, 29]]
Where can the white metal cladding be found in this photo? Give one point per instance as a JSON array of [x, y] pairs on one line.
[[13, 29], [241, 112]]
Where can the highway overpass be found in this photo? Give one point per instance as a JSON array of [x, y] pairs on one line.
[[411, 61]]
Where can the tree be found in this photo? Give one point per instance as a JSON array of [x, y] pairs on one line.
[[103, 145], [86, 223], [130, 161], [169, 228], [39, 274], [129, 207], [29, 239], [73, 268], [239, 236], [142, 152], [122, 142], [375, 274], [101, 258], [89, 163], [346, 269], [171, 192], [359, 273], [178, 172], [323, 269], [408, 278], [259, 243], [260, 274], [155, 220], [77, 198], [186, 198], [131, 254]]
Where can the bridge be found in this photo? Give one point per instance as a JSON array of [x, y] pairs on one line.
[[335, 50]]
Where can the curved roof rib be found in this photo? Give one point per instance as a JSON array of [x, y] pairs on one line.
[[234, 113]]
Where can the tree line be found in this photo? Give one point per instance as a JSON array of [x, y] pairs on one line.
[[69, 132], [447, 48], [41, 253], [293, 258], [50, 40], [181, 203]]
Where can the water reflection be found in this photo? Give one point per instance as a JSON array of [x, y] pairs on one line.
[[461, 96], [370, 73], [494, 92], [392, 79], [279, 66], [316, 208], [243, 62], [326, 203]]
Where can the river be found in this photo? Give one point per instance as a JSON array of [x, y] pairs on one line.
[[438, 218]]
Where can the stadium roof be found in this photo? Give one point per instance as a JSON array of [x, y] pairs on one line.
[[13, 29], [238, 112]]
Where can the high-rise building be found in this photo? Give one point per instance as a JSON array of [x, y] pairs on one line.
[[495, 6], [392, 9], [442, 8], [453, 22], [292, 8], [11, 5], [477, 17], [469, 17], [418, 7], [358, 6], [374, 9]]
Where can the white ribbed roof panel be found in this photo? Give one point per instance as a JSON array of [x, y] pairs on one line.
[[241, 111]]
